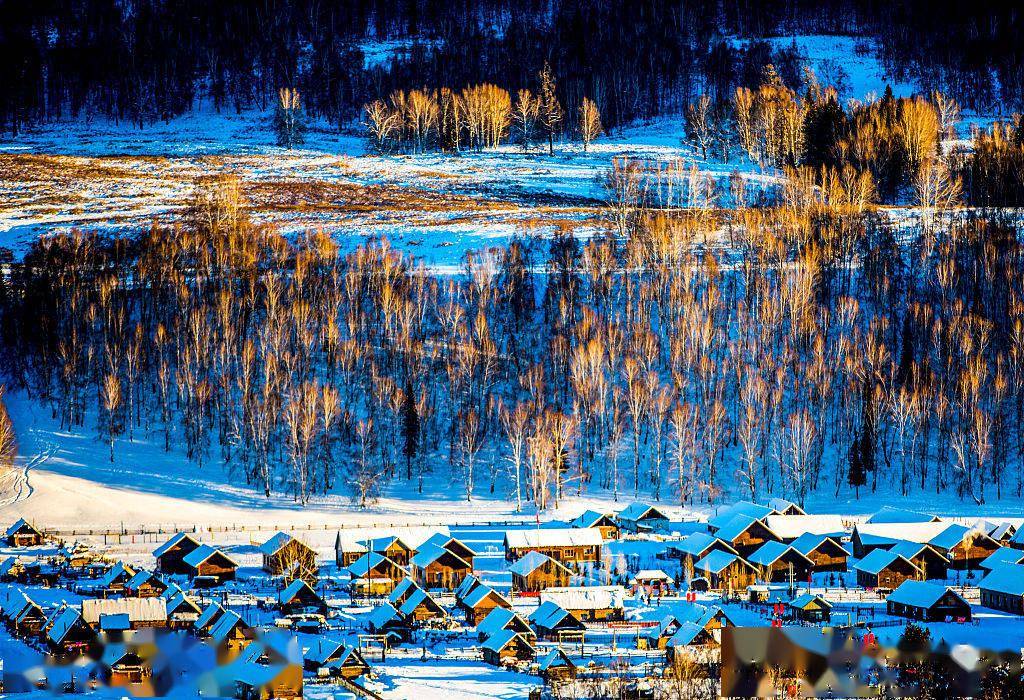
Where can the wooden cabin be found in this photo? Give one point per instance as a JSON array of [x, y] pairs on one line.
[[125, 666], [808, 607], [207, 619], [21, 615], [694, 548], [503, 618], [67, 634], [927, 602], [506, 647], [965, 548], [869, 536], [374, 574], [299, 598], [113, 582], [480, 602], [456, 547], [337, 659], [1003, 589], [145, 584], [688, 636], [884, 569], [777, 562], [230, 635], [284, 555], [556, 666], [439, 567], [210, 564], [385, 619], [171, 554], [419, 606], [569, 546], [551, 621], [932, 564], [182, 611], [1002, 532], [535, 571], [605, 522], [642, 517], [726, 572], [824, 552], [393, 548], [23, 534], [745, 534], [254, 681]]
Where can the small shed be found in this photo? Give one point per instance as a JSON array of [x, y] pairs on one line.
[[556, 666], [642, 517], [210, 564], [927, 602], [336, 658], [438, 567], [808, 607], [605, 522], [298, 598], [23, 534], [551, 621]]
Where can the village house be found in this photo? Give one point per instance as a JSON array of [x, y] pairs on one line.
[[1001, 532], [588, 603], [171, 554], [67, 634], [182, 611], [144, 584], [711, 619], [403, 590], [929, 560], [419, 606], [884, 569], [687, 636], [506, 647], [386, 620], [11, 569], [113, 582], [503, 618], [570, 546], [21, 615], [1003, 589], [808, 607], [142, 612], [393, 548], [456, 547], [534, 572], [745, 534], [964, 547], [479, 603], [374, 574], [23, 534], [124, 666], [777, 562], [790, 527], [695, 547], [208, 566], [749, 509], [642, 517], [267, 668], [347, 551], [299, 598], [284, 555], [605, 522], [556, 666], [439, 567], [726, 572], [927, 602], [780, 506], [333, 658], [826, 552], [230, 634], [552, 622], [891, 514], [207, 619]]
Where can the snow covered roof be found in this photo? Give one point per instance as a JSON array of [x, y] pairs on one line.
[[955, 535], [323, 649], [204, 552], [686, 634], [638, 511], [481, 593], [293, 589], [115, 622], [531, 561], [912, 532], [417, 598], [716, 562], [802, 601], [793, 526], [1001, 530], [808, 542], [889, 515], [553, 659], [227, 622], [403, 589], [141, 578], [381, 544], [781, 505], [382, 615], [63, 621], [919, 594], [1008, 579], [590, 518], [549, 614], [137, 609], [178, 601], [367, 563], [698, 542], [275, 544], [585, 597], [770, 552], [736, 526], [909, 550], [554, 537], [502, 638], [1003, 555], [879, 559], [173, 542], [119, 571], [651, 575], [497, 619], [209, 616], [431, 553], [467, 585]]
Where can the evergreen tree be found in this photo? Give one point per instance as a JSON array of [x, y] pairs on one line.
[[410, 428]]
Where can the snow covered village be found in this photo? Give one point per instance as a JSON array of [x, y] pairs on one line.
[[510, 349]]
